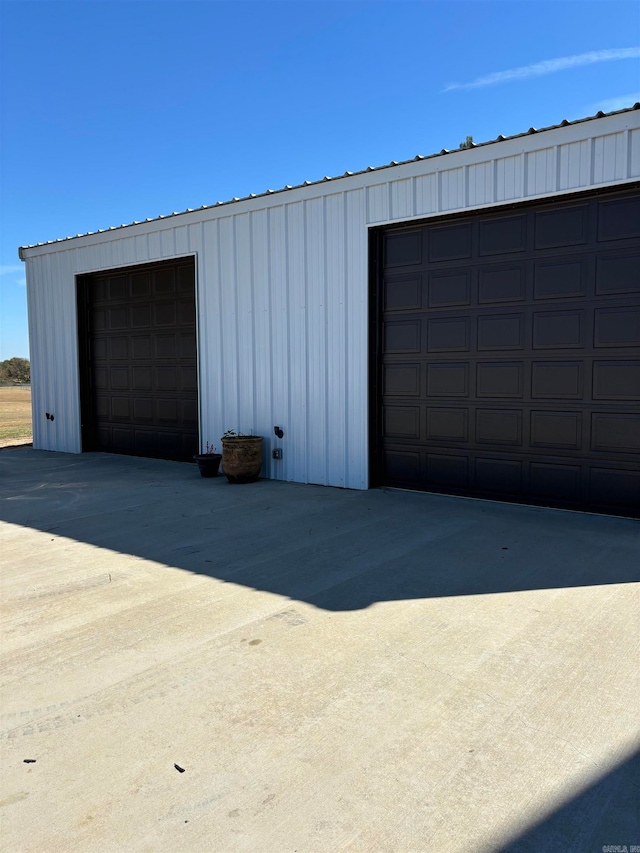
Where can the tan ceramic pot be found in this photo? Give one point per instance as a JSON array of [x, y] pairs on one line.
[[242, 458]]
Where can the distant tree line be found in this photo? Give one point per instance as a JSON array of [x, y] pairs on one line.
[[15, 371]]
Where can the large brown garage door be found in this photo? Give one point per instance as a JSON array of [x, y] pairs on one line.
[[137, 330], [508, 354]]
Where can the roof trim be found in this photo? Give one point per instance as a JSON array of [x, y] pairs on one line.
[[392, 164]]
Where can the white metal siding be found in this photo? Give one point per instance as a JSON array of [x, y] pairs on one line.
[[282, 290]]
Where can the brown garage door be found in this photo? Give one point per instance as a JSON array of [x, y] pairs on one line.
[[508, 354], [138, 361]]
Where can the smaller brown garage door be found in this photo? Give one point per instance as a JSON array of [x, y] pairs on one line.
[[137, 329], [508, 354]]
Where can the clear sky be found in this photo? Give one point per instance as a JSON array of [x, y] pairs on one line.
[[116, 111]]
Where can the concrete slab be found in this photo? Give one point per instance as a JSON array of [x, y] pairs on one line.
[[332, 670]]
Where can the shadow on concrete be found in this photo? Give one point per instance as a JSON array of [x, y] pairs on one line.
[[606, 815], [337, 549]]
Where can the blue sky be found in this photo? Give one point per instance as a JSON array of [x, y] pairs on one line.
[[116, 111]]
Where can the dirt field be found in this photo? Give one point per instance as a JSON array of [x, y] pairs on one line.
[[15, 416]]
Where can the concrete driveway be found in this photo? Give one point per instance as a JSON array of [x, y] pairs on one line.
[[193, 666]]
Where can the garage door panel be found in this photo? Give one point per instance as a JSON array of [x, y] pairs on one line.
[[498, 475], [166, 346], [499, 426], [560, 279], [402, 422], [403, 249], [557, 380], [402, 380], [450, 243], [402, 337], [118, 378], [556, 429], [517, 378], [102, 406], [558, 329], [501, 332], [447, 470], [557, 228], [142, 378], [168, 410], [140, 387], [617, 327], [141, 316], [118, 348], [619, 273], [448, 380], [500, 379], [448, 334], [141, 284], [122, 439], [143, 409], [449, 289], [502, 283], [166, 378], [502, 236], [189, 379], [616, 380], [118, 288], [186, 346], [100, 349], [403, 466], [118, 318], [189, 412], [186, 279], [186, 312], [164, 282], [165, 314], [619, 220], [615, 487], [447, 424], [402, 294], [618, 432], [120, 408], [555, 481], [99, 320], [141, 347]]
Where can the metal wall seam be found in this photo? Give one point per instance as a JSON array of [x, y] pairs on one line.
[[633, 167], [278, 308]]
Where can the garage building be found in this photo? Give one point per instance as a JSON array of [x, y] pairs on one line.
[[467, 323]]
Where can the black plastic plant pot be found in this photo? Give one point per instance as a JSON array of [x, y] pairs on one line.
[[208, 463]]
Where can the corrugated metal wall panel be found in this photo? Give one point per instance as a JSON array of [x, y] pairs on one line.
[[280, 353], [295, 253], [609, 157], [509, 178], [452, 189], [356, 361], [402, 198], [541, 172], [316, 332], [334, 449], [575, 165], [263, 396], [210, 333], [54, 353], [634, 154], [378, 203], [480, 177], [282, 291], [426, 194]]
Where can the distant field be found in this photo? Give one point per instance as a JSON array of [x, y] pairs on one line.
[[15, 416]]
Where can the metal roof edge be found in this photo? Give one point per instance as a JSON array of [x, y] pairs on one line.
[[288, 187]]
